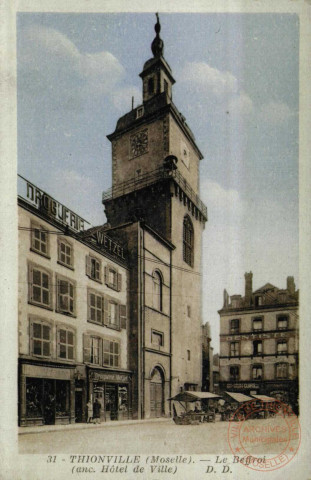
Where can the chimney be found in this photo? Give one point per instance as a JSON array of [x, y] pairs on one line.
[[248, 287], [226, 299], [291, 287]]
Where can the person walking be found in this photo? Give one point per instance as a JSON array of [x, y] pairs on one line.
[[89, 407], [96, 411]]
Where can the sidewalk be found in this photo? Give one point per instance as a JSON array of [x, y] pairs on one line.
[[88, 426]]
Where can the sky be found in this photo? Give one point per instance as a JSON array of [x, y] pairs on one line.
[[236, 84]]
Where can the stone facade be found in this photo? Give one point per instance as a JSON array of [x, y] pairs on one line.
[[153, 199], [259, 341], [67, 316]]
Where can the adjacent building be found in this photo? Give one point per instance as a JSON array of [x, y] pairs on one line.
[[259, 341], [72, 316]]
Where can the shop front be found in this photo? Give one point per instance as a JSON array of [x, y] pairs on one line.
[[113, 390], [285, 391], [46, 394]]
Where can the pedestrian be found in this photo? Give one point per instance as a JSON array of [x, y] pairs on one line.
[[96, 411], [89, 407]]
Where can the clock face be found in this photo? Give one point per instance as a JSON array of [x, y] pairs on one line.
[[139, 143]]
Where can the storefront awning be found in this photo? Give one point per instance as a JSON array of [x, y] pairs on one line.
[[239, 397], [265, 398], [194, 396]]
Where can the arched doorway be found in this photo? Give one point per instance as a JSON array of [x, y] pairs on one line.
[[157, 393]]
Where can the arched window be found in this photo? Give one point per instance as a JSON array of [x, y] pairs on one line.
[[157, 290], [188, 241]]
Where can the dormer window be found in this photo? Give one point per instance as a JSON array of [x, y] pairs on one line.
[[139, 112]]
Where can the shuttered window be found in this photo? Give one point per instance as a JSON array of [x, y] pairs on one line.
[[111, 353], [66, 343], [92, 349], [39, 239], [39, 286], [113, 279], [93, 268], [95, 308], [40, 338], [65, 253], [66, 296]]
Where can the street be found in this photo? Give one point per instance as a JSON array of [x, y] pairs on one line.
[[146, 437]]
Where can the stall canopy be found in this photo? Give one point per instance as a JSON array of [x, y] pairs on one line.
[[187, 396], [265, 398], [239, 397]]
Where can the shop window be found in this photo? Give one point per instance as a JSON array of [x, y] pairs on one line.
[[235, 325], [34, 393], [66, 296], [234, 349], [113, 279], [282, 371], [93, 268], [157, 290], [234, 373], [157, 338], [65, 253], [281, 347], [40, 286], [257, 347], [257, 324], [92, 349], [40, 338], [111, 353], [282, 322], [95, 307], [257, 372], [66, 343], [113, 315], [188, 241], [39, 239]]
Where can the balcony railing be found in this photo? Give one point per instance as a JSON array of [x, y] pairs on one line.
[[142, 181]]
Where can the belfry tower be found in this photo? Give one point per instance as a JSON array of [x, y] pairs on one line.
[[155, 185]]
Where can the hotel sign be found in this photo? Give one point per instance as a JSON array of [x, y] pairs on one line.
[[256, 336], [52, 208], [107, 243]]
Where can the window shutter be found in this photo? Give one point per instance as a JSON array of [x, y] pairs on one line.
[[119, 286], [88, 305], [58, 342], [88, 265], [106, 275], [118, 316], [30, 282], [106, 311], [123, 316], [100, 354], [86, 348]]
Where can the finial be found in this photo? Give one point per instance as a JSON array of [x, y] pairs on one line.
[[157, 45]]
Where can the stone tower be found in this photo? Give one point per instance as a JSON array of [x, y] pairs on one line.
[[155, 180]]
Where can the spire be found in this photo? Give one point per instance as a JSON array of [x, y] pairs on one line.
[[157, 45]]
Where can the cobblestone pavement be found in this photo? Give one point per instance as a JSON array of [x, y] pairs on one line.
[[143, 438]]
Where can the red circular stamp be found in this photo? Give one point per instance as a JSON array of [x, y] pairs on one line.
[[264, 436]]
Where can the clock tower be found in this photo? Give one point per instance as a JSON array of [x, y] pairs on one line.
[[155, 187]]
